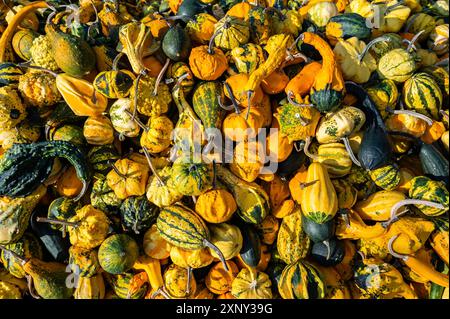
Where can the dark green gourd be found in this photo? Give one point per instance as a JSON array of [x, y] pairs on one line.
[[176, 44], [26, 166], [138, 214], [375, 150]]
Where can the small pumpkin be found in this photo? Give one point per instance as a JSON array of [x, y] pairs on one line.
[[118, 253], [216, 205], [138, 214], [98, 130], [218, 280], [157, 135], [191, 178], [176, 280], [128, 178], [231, 32], [248, 285], [68, 184], [103, 197], [227, 238], [92, 227]]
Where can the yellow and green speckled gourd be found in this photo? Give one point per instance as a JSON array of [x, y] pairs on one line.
[[386, 177], [319, 201], [292, 242], [424, 188]]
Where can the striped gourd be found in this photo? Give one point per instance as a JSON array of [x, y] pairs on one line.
[[319, 200], [101, 157], [182, 227], [118, 253], [335, 158], [98, 130], [124, 288], [424, 188], [9, 74], [422, 94], [377, 207], [114, 84], [440, 75], [292, 242], [206, 105], [138, 214], [28, 247], [384, 94], [397, 65], [347, 25], [386, 177], [301, 280]]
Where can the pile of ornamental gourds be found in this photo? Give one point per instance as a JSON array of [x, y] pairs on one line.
[[103, 105]]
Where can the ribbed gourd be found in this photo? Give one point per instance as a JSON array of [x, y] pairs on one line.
[[422, 94], [182, 227], [301, 280]]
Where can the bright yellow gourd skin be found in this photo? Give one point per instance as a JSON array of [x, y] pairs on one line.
[[377, 207], [319, 201]]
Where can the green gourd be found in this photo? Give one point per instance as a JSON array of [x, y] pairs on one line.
[[72, 54]]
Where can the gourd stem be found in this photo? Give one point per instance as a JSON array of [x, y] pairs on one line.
[[300, 37], [214, 182], [444, 114], [290, 99], [56, 222], [411, 113], [413, 41], [160, 76], [136, 91], [22, 260], [391, 250], [306, 149], [189, 275], [344, 213], [304, 185], [82, 192], [180, 79], [225, 107], [232, 98], [114, 167], [116, 60], [350, 151], [50, 17], [405, 202], [26, 65], [211, 42], [442, 62], [31, 287], [327, 244], [210, 245], [291, 56], [152, 168], [138, 121], [369, 45], [160, 291], [249, 97], [361, 254]]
